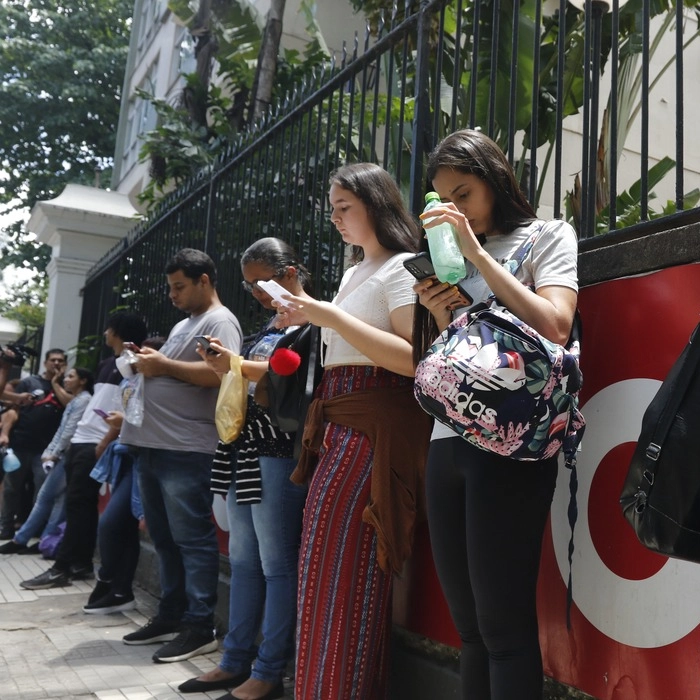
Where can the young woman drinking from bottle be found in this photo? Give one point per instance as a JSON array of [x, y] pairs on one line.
[[487, 512], [371, 441]]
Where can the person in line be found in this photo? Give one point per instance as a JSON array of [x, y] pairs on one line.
[[264, 507], [371, 438], [487, 512], [118, 540], [175, 448], [28, 430], [93, 434], [49, 509]]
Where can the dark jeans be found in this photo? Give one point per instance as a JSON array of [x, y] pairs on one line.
[[118, 534], [487, 515], [177, 504], [78, 544], [21, 487]]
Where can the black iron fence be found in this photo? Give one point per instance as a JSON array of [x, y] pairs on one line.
[[546, 81]]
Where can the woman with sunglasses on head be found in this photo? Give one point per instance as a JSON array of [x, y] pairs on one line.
[[487, 512], [264, 507], [371, 440]]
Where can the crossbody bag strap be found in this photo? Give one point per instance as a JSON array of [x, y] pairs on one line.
[[314, 346], [524, 249]]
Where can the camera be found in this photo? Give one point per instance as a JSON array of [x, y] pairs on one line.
[[20, 354]]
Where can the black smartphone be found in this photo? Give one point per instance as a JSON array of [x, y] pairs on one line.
[[204, 342], [420, 266]]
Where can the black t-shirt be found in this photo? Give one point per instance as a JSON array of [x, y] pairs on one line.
[[38, 422]]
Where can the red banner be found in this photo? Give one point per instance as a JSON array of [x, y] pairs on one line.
[[635, 618]]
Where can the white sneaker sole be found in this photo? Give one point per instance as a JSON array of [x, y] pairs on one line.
[[130, 605], [205, 649], [151, 640]]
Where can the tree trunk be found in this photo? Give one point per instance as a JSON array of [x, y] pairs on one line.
[[267, 61]]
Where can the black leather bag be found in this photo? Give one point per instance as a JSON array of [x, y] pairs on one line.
[[287, 397], [661, 494]]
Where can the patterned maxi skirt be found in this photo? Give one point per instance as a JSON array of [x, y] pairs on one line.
[[344, 610]]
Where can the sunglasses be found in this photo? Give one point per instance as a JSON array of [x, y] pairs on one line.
[[249, 286]]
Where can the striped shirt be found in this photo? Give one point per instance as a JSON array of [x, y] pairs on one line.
[[237, 462]]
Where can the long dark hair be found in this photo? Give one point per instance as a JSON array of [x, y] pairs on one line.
[[278, 256], [394, 226], [471, 152], [87, 376]]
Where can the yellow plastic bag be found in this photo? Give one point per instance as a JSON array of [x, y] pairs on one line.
[[232, 402]]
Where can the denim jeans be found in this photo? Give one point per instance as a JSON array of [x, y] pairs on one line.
[[18, 484], [49, 508], [118, 534], [264, 550], [177, 506]]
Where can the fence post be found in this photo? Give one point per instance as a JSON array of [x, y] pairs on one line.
[[422, 135]]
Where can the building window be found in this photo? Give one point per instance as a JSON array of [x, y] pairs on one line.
[[142, 118]]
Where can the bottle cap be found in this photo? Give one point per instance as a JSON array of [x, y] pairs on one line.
[[431, 197]]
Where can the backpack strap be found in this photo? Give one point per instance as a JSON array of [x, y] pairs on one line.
[[515, 262], [314, 348]]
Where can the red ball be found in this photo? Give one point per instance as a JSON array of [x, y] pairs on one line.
[[285, 361]]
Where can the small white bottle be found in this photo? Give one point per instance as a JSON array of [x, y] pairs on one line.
[[11, 461], [445, 252]]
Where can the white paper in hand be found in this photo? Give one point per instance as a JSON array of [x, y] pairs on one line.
[[274, 290]]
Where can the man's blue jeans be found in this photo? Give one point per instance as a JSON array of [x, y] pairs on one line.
[[264, 552], [49, 508], [177, 506]]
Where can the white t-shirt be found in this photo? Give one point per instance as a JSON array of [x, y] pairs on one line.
[[552, 261], [389, 288]]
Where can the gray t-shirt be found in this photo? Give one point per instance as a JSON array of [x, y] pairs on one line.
[[552, 261], [177, 415]]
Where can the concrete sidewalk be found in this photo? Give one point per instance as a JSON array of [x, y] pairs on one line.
[[49, 648]]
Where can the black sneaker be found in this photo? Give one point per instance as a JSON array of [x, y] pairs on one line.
[[190, 642], [82, 573], [153, 631], [12, 547], [30, 549], [101, 589], [53, 578], [110, 603]]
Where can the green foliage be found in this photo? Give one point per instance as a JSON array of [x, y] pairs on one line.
[[88, 351], [178, 148], [62, 68], [25, 303], [628, 205]]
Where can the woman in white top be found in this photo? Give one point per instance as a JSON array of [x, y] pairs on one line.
[[355, 533], [487, 512]]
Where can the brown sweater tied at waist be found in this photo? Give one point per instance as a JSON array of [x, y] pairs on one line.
[[399, 431]]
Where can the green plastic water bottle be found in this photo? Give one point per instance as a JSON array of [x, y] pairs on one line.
[[445, 252]]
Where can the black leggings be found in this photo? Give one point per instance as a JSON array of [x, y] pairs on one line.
[[487, 515]]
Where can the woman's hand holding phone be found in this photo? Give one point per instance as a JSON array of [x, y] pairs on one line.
[[217, 357]]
